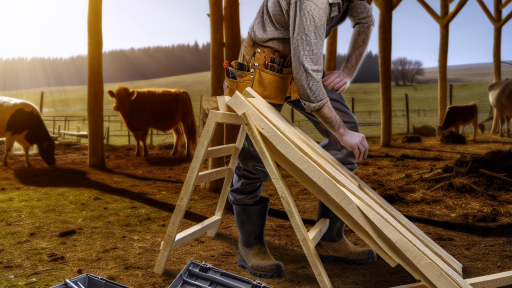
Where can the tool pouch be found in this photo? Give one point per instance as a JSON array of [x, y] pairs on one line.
[[271, 86]]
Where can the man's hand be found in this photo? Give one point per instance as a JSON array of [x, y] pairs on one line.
[[336, 80], [355, 142]]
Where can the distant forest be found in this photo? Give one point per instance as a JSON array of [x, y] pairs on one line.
[[129, 65]]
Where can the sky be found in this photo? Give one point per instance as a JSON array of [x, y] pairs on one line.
[[58, 28]]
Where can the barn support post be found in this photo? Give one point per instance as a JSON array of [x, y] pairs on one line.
[[331, 51], [385, 42], [443, 19], [498, 21], [216, 85], [95, 89], [233, 42], [41, 101]]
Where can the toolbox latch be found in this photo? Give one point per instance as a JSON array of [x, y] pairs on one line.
[[205, 268]]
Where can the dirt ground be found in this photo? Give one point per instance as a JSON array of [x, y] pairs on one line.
[[117, 216]]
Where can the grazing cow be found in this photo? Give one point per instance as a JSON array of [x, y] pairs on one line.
[[160, 109], [460, 115], [500, 96], [21, 121]]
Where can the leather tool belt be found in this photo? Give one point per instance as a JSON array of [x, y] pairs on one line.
[[273, 82]]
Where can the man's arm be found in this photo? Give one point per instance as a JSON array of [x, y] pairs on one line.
[[361, 16]]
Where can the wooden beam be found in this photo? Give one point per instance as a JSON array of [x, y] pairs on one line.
[[318, 230], [227, 118], [430, 11], [502, 6], [354, 183], [454, 12], [487, 12], [331, 51], [488, 281], [214, 174], [288, 203], [395, 4], [196, 231], [219, 151], [385, 43]]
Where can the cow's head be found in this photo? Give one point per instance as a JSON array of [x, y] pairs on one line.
[[122, 98], [47, 152]]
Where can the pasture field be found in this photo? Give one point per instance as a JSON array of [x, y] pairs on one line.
[[72, 101], [119, 217]]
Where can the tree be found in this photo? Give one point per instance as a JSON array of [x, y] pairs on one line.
[[95, 85], [498, 22], [406, 70], [386, 8], [443, 20]]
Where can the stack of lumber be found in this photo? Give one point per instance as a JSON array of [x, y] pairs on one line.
[[383, 228]]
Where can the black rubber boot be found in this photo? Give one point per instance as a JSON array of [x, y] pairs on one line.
[[253, 253], [333, 246]]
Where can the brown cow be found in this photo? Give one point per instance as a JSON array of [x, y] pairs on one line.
[[460, 115], [160, 109], [500, 96]]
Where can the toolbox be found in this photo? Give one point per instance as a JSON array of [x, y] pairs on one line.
[[91, 281], [197, 275]]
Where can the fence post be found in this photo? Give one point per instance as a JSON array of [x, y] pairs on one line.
[[353, 105], [151, 138], [58, 133], [407, 110], [451, 94], [41, 103], [53, 128]]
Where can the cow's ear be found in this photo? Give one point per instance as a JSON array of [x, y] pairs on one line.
[[133, 94], [111, 94]]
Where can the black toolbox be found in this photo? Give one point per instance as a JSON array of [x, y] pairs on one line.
[[196, 275], [91, 281]]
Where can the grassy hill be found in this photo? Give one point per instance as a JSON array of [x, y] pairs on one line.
[[71, 100]]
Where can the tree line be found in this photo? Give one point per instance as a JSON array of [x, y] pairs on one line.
[[130, 65]]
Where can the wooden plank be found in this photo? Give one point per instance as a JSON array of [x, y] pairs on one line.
[[227, 117], [489, 281], [309, 147], [318, 230], [213, 174], [405, 248], [223, 106], [186, 192], [219, 151], [289, 130], [229, 178], [288, 203], [196, 231]]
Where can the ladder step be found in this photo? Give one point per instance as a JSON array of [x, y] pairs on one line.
[[213, 174], [318, 230], [196, 231], [219, 151]]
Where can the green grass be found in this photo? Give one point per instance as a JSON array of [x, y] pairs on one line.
[[72, 101]]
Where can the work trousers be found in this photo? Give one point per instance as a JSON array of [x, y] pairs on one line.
[[250, 172]]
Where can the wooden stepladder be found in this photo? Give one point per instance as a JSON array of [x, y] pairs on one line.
[[173, 239]]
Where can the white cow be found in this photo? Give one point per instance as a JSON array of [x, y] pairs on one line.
[[500, 96], [21, 121]]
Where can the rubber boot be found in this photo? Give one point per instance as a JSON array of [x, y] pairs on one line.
[[333, 246], [253, 253]]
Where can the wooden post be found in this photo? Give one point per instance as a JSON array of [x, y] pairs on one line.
[[41, 103], [385, 40], [53, 128], [331, 51], [58, 132], [407, 110], [498, 21], [451, 94], [443, 19], [216, 85], [95, 85]]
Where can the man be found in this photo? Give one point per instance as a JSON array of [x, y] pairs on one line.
[[296, 30]]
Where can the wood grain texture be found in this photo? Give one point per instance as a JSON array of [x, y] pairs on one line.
[[213, 174], [196, 231], [219, 151], [318, 230]]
